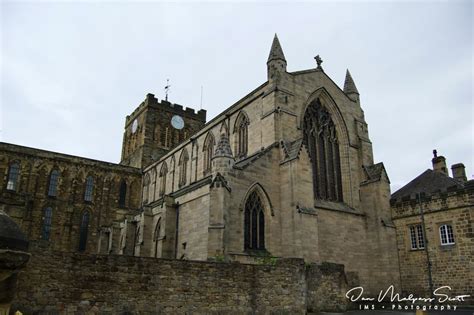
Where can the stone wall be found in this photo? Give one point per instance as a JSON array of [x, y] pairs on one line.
[[327, 281], [77, 283]]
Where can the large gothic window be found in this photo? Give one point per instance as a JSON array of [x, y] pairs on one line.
[[254, 223], [320, 137], [241, 130], [183, 165], [84, 231], [53, 183], [208, 149]]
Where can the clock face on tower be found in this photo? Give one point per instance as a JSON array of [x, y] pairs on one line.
[[177, 122]]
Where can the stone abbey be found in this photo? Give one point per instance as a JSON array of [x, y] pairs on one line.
[[287, 171]]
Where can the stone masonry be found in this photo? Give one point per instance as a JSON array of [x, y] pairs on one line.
[[287, 171], [193, 212], [26, 203], [78, 284]]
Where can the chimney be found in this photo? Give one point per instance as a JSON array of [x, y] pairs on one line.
[[439, 163], [459, 172]]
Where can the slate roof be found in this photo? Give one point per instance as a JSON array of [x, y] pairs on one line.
[[429, 182], [252, 158]]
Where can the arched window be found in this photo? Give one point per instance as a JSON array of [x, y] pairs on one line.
[[83, 231], [163, 172], [173, 137], [241, 128], [446, 234], [122, 193], [156, 236], [53, 183], [183, 165], [208, 150], [152, 188], [254, 223], [165, 138], [157, 134], [146, 187], [47, 219], [13, 175], [89, 188], [320, 138]]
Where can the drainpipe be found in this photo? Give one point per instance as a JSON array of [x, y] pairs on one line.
[[430, 278]]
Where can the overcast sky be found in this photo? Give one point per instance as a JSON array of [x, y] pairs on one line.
[[72, 71]]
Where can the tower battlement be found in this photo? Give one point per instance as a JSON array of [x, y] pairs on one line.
[[152, 101], [155, 127]]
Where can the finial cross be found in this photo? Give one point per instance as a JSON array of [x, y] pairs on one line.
[[319, 61]]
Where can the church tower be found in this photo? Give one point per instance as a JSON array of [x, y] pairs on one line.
[[154, 128]]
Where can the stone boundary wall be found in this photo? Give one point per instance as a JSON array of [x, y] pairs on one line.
[[71, 283]]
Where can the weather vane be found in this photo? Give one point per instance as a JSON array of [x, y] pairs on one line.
[[167, 89]]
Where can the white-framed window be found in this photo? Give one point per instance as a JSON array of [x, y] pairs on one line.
[[446, 234], [417, 237]]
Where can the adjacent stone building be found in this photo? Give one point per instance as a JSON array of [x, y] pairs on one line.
[[434, 216], [67, 203], [286, 171]]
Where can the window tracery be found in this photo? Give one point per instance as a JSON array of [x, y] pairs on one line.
[[254, 223], [320, 138], [208, 149]]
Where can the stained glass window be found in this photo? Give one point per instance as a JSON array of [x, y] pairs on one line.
[[320, 138]]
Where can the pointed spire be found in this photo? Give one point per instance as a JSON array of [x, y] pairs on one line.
[[223, 147], [276, 52], [349, 85]]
